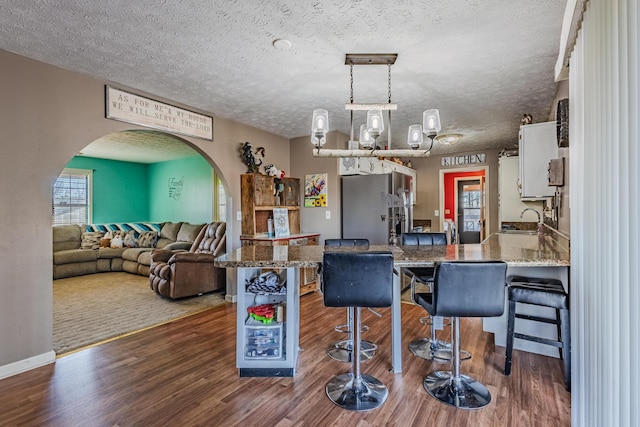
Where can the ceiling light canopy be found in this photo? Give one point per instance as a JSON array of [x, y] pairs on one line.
[[375, 125]]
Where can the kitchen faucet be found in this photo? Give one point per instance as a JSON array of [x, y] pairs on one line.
[[540, 223]]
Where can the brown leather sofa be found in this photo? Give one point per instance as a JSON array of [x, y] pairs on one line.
[[179, 274]]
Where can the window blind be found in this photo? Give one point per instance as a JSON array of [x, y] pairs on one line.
[[72, 197]]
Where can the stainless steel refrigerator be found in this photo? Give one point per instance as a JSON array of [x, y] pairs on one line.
[[373, 205]]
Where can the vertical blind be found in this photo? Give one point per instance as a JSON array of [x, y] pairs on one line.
[[605, 211], [72, 197]]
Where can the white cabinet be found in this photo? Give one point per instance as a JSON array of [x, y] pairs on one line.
[[509, 202], [537, 144], [359, 166]]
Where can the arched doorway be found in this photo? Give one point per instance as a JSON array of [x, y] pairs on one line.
[[145, 176]]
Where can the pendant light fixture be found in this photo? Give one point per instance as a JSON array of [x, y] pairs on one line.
[[375, 125]]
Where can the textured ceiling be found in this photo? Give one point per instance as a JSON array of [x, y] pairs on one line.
[[482, 63]]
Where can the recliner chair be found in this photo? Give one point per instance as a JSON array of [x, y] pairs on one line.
[[179, 274]]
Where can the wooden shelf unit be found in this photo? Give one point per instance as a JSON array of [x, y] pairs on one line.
[[258, 202]]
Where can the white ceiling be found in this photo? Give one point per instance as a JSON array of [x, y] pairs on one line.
[[482, 63]]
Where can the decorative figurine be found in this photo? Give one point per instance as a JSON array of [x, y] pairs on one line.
[[248, 157]]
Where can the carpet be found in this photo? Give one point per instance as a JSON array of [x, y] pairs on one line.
[[98, 307]]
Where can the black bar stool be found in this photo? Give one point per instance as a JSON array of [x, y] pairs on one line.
[[427, 348], [357, 279], [342, 350], [545, 293], [463, 289]]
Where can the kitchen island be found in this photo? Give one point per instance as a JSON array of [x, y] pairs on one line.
[[525, 254]]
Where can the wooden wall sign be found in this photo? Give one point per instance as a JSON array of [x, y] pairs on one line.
[[136, 109], [467, 159]]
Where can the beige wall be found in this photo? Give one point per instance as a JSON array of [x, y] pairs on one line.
[[47, 115], [428, 188], [314, 219]]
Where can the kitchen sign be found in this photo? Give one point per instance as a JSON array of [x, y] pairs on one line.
[[136, 109], [467, 159]]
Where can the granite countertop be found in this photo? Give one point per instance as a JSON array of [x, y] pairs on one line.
[[516, 249], [265, 237]]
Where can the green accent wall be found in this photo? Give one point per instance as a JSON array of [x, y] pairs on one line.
[[181, 190], [176, 190], [120, 189]]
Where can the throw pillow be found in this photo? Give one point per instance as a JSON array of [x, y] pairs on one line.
[[130, 240], [170, 230], [148, 239], [188, 232], [91, 239]]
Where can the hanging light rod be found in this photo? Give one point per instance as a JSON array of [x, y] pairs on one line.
[[367, 107], [333, 152]]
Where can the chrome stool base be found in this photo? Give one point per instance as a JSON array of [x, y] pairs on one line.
[[364, 395], [462, 392], [440, 352], [423, 348], [342, 351]]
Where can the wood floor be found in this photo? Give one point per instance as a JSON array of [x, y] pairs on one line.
[[183, 374]]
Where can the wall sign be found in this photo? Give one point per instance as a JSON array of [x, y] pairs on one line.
[[136, 109], [468, 159], [175, 187]]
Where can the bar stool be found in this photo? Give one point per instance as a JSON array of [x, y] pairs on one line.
[[463, 289], [357, 279], [426, 348], [545, 293], [342, 350]]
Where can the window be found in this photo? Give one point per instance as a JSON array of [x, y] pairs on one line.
[[471, 204], [72, 197], [219, 199]]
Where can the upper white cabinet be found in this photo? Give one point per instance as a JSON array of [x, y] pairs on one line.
[[538, 146], [509, 202]]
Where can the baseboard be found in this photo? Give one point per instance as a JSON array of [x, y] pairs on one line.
[[27, 364], [231, 298]]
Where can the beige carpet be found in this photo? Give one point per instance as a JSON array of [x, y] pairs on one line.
[[97, 307]]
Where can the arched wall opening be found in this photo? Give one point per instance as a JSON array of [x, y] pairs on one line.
[[137, 176]]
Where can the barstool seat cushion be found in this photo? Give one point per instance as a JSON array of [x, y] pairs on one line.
[[467, 289], [358, 279], [427, 239], [537, 291], [422, 274], [424, 299]]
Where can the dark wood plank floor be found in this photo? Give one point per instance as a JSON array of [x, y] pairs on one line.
[[183, 374]]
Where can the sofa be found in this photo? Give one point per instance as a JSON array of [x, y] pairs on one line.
[[77, 250], [178, 273]]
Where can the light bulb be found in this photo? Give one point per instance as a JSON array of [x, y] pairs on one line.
[[415, 136]]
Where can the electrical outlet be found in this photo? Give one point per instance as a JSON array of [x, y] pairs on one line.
[[239, 215], [436, 213], [327, 214]]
